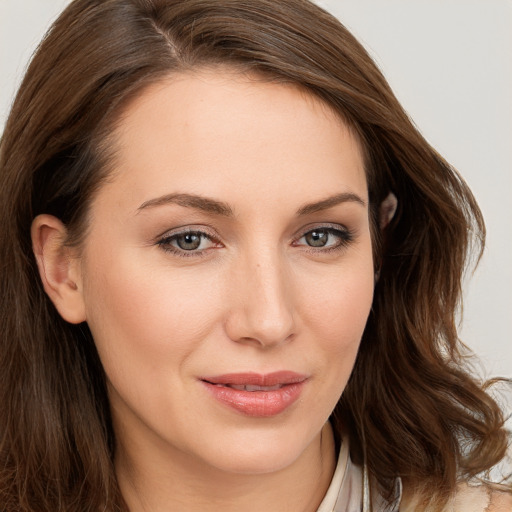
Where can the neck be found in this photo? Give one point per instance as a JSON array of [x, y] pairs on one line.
[[166, 482]]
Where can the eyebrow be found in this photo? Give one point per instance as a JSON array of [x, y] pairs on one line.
[[190, 201], [329, 202], [216, 207]]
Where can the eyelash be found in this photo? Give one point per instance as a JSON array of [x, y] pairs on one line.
[[166, 243], [344, 235]]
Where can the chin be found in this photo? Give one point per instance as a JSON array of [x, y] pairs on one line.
[[256, 463], [259, 454]]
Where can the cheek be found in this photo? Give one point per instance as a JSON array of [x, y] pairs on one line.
[[335, 307], [339, 301], [150, 316], [136, 312]]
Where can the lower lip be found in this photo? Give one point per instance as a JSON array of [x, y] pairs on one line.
[[262, 404]]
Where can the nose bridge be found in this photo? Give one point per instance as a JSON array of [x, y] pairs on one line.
[[264, 310]]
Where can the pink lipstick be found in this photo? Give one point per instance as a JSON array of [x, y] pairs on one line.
[[255, 394]]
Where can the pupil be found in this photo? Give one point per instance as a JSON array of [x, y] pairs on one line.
[[317, 238], [189, 242]]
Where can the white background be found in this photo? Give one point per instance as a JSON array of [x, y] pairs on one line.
[[450, 64]]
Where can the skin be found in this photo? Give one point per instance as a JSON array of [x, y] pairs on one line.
[[255, 296]]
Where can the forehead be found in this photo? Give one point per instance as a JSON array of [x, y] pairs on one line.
[[224, 134]]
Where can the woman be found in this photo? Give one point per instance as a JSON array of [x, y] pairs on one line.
[[234, 244]]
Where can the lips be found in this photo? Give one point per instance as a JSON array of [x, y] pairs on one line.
[[253, 394]]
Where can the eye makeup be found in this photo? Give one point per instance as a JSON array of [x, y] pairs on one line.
[[197, 242], [191, 242], [325, 238]]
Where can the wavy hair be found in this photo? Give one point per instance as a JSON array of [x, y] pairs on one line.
[[410, 407]]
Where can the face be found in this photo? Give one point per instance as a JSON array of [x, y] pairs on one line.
[[227, 275]]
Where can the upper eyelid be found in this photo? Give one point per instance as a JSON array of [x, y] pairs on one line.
[[208, 232], [211, 233]]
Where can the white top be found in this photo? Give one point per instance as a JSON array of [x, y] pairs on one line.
[[349, 493], [346, 490]]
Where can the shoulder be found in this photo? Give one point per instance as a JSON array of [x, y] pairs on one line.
[[468, 498], [500, 502], [480, 498]]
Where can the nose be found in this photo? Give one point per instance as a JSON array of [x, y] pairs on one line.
[[261, 303]]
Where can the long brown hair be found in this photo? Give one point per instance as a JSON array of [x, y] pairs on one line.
[[410, 408]]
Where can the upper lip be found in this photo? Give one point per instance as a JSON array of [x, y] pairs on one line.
[[257, 379]]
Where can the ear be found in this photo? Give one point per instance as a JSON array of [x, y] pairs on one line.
[[59, 268], [387, 210]]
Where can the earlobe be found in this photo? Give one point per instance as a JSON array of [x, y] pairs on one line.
[[59, 268], [387, 210]]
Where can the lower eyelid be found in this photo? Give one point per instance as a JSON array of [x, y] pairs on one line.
[[344, 237]]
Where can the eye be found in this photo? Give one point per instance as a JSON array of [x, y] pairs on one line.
[[187, 243], [324, 237], [317, 238]]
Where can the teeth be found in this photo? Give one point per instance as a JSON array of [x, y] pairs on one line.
[[250, 387]]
